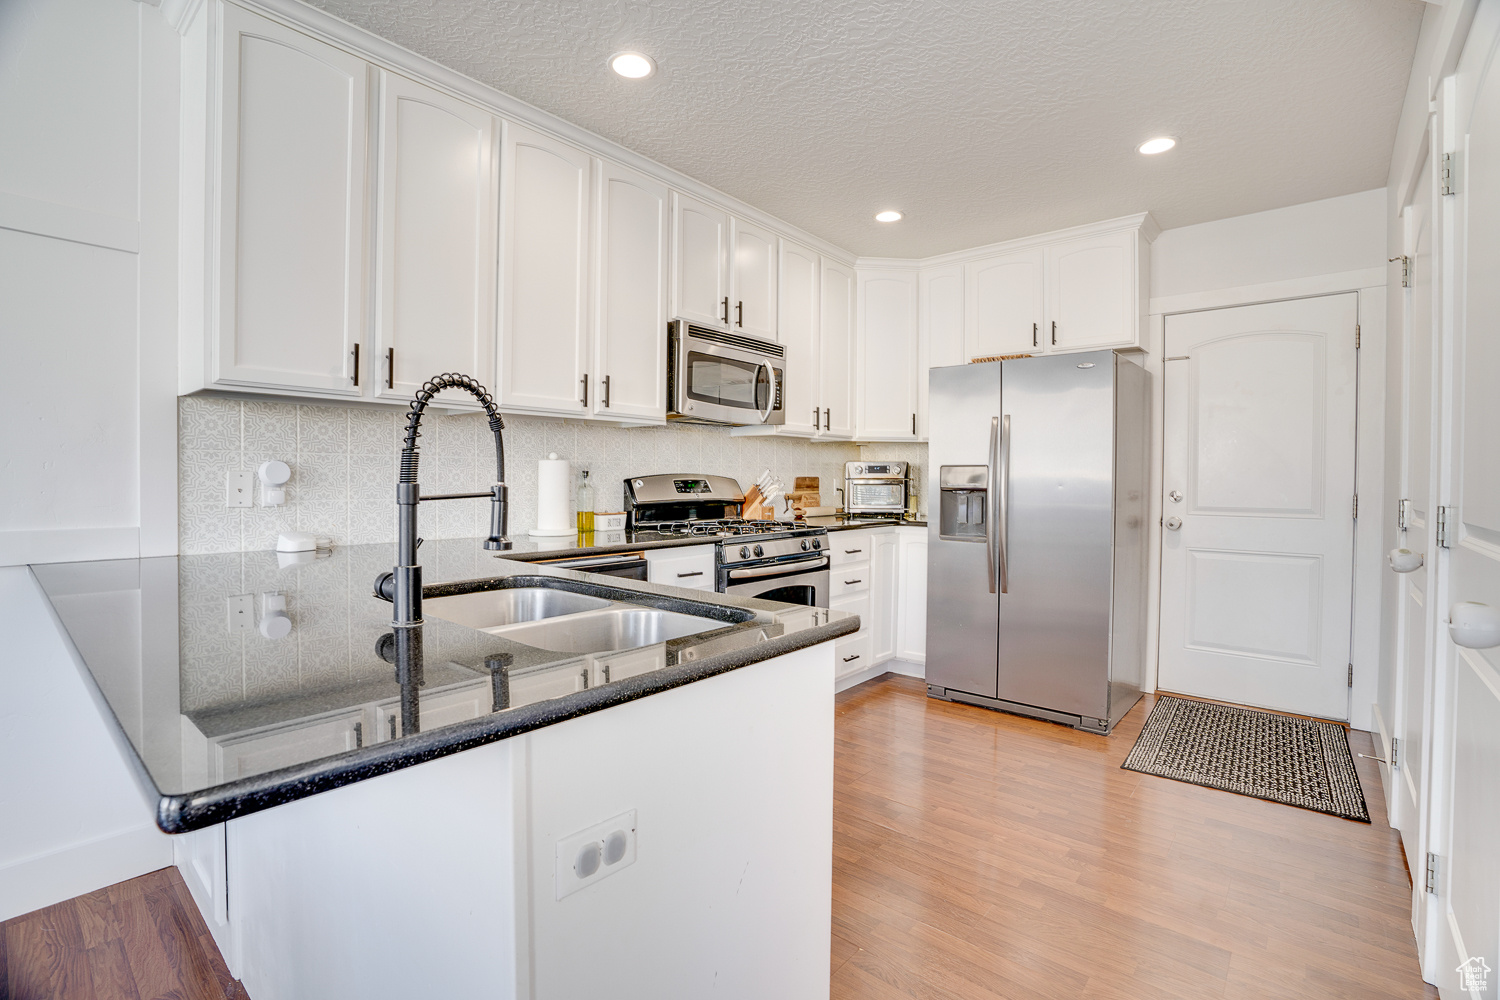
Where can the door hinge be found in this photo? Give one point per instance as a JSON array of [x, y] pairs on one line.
[[1351, 675], [1401, 508], [1405, 269], [1442, 527], [1395, 753], [1450, 180], [1431, 883], [1356, 336]]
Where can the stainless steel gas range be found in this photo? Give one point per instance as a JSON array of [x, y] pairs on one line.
[[774, 560]]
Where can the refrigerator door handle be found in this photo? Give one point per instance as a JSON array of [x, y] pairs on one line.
[[1002, 523], [992, 464]]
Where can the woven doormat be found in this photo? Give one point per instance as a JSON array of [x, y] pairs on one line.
[[1298, 762]]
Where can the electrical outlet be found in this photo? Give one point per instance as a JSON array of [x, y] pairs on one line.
[[241, 611], [238, 487], [596, 853]]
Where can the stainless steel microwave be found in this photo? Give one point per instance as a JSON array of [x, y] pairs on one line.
[[715, 377]]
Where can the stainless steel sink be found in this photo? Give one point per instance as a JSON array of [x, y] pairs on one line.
[[487, 609], [618, 627]]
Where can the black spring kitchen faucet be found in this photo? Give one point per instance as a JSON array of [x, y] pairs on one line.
[[403, 585]]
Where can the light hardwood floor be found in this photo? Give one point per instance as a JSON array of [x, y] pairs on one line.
[[983, 855]]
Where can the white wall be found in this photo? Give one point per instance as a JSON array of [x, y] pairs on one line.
[[1333, 245], [87, 275], [1318, 238], [88, 465]]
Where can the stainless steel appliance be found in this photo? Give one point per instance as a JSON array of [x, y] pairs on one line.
[[627, 565], [715, 377], [773, 560], [875, 488], [1036, 553]]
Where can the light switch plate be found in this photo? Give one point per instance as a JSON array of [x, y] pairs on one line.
[[570, 875], [238, 486]]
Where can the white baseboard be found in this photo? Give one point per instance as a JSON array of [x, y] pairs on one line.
[[42, 880], [902, 667]]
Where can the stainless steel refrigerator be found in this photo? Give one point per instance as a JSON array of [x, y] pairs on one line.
[[1037, 536]]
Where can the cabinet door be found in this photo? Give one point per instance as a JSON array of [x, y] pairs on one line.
[[700, 247], [246, 754], [753, 302], [836, 356], [630, 341], [941, 305], [435, 271], [291, 296], [1005, 305], [545, 217], [911, 597], [1091, 300], [888, 354], [885, 579], [797, 329]]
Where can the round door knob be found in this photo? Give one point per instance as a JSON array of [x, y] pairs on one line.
[[1174, 523], [805, 545], [1175, 496], [744, 552], [760, 550]]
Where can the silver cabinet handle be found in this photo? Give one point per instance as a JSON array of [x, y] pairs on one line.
[[817, 419], [390, 368], [606, 392], [585, 381], [739, 314], [359, 735], [1054, 333], [1033, 335], [726, 310], [827, 419]]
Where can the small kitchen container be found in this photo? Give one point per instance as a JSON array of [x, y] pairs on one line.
[[609, 522]]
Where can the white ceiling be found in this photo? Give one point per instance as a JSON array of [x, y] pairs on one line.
[[982, 120]]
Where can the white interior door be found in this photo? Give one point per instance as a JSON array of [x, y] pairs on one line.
[[1257, 555], [1466, 831], [1412, 650]]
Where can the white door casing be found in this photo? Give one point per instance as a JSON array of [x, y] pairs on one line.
[[1259, 444]]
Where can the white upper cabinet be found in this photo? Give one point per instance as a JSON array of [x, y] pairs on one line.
[[800, 307], [630, 340], [1005, 304], [544, 212], [435, 241], [700, 247], [887, 372], [941, 329], [1092, 299], [291, 289], [837, 359], [753, 288]]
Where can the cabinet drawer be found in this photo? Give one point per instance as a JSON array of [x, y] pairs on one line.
[[692, 566], [857, 603], [850, 578], [850, 547], [851, 654]]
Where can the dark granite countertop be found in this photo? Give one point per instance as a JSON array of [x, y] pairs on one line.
[[223, 721]]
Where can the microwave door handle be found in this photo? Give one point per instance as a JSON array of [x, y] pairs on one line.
[[991, 469], [771, 393]]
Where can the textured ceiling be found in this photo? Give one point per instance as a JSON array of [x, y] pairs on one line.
[[982, 120]]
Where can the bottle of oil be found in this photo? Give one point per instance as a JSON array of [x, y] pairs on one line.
[[585, 503]]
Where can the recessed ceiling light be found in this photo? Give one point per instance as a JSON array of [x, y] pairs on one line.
[[632, 65], [887, 216], [1158, 145]]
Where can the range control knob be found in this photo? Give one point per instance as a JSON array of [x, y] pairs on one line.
[[805, 545], [817, 544], [744, 552], [760, 550]]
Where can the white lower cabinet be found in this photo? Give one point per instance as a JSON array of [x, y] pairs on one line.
[[852, 654], [911, 596], [886, 582], [262, 750], [688, 566], [880, 574]]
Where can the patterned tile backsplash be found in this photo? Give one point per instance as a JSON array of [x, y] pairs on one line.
[[344, 460]]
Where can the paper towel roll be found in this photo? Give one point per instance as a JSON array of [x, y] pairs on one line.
[[554, 497]]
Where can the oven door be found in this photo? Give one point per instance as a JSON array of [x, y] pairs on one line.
[[802, 582], [726, 384], [875, 496]]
